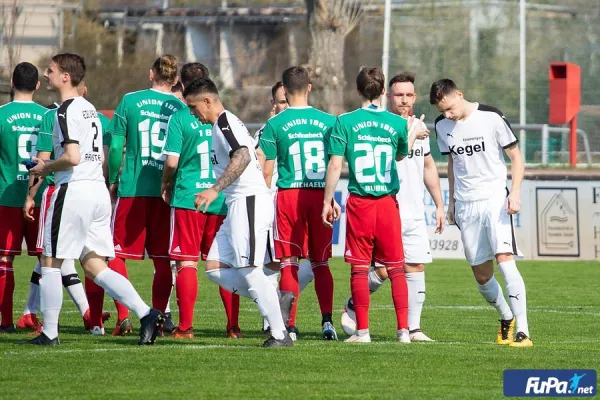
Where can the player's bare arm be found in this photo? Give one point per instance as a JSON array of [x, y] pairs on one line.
[[517, 167], [32, 189], [331, 210], [166, 187], [239, 161], [432, 183], [450, 211], [268, 167], [70, 158]]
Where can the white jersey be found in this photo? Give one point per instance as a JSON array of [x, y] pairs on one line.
[[275, 172], [411, 196], [230, 134], [476, 146], [77, 122]]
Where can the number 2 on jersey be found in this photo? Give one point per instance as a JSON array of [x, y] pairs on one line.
[[314, 155], [378, 157], [152, 144]]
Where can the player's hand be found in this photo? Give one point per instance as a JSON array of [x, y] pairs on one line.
[[28, 209], [513, 204], [439, 220], [203, 199], [450, 213], [40, 169], [421, 131], [331, 212], [166, 191]]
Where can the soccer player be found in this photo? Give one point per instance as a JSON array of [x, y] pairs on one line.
[[371, 138], [416, 172], [78, 220], [236, 257], [141, 217], [19, 123], [297, 138], [70, 278], [188, 168], [475, 137]]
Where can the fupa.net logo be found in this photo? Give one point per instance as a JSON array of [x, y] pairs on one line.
[[550, 382]]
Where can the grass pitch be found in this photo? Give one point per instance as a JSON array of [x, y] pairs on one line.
[[464, 362]]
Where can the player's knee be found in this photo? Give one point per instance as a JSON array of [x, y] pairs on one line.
[[212, 265], [408, 268], [382, 273], [186, 264], [502, 257], [7, 258]]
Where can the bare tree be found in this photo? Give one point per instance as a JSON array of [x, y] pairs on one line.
[[330, 21], [10, 17]]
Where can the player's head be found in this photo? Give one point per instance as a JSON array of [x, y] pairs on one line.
[[278, 100], [25, 78], [370, 83], [177, 90], [65, 70], [164, 71], [192, 71], [296, 81], [401, 94], [202, 98], [444, 94]]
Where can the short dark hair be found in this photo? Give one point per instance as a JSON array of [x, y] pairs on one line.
[[192, 71], [178, 87], [402, 77], [295, 80], [275, 88], [370, 82], [201, 85], [440, 89], [73, 64], [25, 77]]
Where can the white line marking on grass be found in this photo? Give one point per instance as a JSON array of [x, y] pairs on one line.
[[190, 347]]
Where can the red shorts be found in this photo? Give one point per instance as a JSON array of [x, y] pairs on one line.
[[373, 231], [46, 197], [192, 233], [141, 223], [14, 227], [298, 229]]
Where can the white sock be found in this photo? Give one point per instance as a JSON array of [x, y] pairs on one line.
[[305, 274], [492, 292], [229, 279], [265, 296], [515, 289], [119, 288], [273, 276], [33, 298], [375, 281], [51, 296], [72, 283], [174, 276], [416, 298]]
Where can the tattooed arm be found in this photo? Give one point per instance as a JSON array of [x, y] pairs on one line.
[[239, 161]]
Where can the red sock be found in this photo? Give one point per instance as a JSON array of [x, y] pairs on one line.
[[7, 288], [288, 281], [323, 286], [231, 302], [161, 284], [118, 265], [359, 285], [95, 296], [399, 295], [186, 286]]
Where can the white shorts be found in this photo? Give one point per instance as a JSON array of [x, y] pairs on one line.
[[270, 253], [78, 221], [486, 229], [242, 239], [415, 241]]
